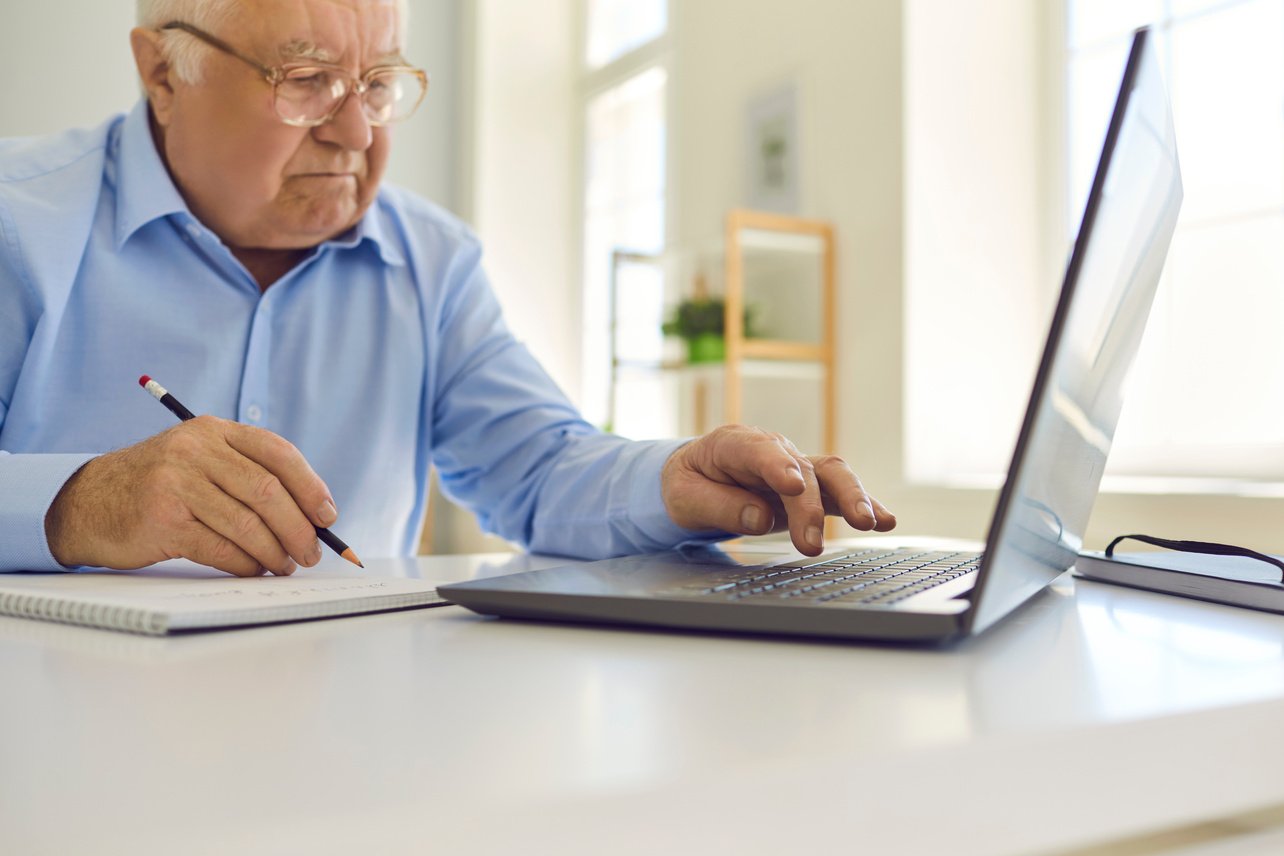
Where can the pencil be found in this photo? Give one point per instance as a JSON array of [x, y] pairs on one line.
[[174, 406]]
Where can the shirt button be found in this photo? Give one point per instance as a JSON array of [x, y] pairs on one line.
[[193, 230], [254, 413]]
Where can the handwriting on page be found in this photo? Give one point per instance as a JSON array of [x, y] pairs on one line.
[[278, 591]]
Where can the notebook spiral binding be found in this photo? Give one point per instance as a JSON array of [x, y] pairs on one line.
[[100, 615]]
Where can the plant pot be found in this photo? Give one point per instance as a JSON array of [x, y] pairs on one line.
[[706, 348]]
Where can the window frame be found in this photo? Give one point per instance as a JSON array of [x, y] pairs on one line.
[[592, 82]]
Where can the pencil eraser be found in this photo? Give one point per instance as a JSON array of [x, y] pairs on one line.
[[144, 380]]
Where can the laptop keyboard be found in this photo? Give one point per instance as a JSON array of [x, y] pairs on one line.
[[861, 577]]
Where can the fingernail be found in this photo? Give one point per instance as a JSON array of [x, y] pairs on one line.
[[314, 555], [813, 536], [328, 513], [751, 519]]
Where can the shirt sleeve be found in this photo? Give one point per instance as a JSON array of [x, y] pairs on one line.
[[510, 446], [28, 483]]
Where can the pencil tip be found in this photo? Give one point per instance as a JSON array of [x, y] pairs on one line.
[[352, 557]]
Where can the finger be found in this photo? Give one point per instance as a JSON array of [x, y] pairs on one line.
[[845, 494], [279, 457], [806, 511], [703, 504], [886, 520], [750, 457], [262, 492], [200, 544], [240, 525]]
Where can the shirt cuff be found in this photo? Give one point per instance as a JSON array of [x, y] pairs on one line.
[[30, 483], [646, 503]]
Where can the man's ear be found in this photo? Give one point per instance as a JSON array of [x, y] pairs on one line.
[[153, 72]]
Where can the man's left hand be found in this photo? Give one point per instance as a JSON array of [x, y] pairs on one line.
[[750, 481]]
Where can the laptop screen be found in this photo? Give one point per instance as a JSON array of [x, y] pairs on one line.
[[1109, 285]]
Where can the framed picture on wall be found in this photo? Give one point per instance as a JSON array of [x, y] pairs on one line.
[[771, 150]]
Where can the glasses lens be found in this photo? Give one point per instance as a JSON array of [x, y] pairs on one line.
[[307, 95], [392, 96]]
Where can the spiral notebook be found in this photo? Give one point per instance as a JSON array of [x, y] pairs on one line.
[[177, 597]]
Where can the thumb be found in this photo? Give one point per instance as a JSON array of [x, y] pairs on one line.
[[696, 502]]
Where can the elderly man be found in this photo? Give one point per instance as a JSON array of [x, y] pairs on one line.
[[231, 235]]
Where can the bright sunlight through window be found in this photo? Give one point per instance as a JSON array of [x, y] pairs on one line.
[[1206, 399], [625, 141]]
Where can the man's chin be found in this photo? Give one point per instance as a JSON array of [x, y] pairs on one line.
[[322, 225], [301, 224]]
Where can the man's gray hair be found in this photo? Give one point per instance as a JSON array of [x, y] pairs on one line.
[[187, 54]]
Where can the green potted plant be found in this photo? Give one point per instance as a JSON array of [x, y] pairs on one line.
[[701, 323]]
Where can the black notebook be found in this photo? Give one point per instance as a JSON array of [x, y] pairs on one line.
[[1232, 580]]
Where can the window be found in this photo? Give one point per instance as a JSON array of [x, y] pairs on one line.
[[616, 27], [625, 87], [1207, 396]]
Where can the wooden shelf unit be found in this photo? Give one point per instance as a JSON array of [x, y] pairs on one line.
[[766, 251], [740, 225]]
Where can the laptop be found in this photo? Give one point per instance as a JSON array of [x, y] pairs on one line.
[[935, 596]]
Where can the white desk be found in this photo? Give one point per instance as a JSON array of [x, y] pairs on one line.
[[1093, 714]]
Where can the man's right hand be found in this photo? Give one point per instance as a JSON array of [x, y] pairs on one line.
[[231, 496]]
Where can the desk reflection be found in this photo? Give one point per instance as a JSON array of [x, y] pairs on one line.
[[1093, 653]]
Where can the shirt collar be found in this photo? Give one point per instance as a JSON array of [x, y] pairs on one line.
[[373, 227], [145, 192]]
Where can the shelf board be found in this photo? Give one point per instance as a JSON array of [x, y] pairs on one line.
[[775, 349], [651, 365], [785, 369], [752, 349], [752, 368], [762, 241]]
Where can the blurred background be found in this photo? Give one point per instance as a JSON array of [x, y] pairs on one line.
[[915, 171]]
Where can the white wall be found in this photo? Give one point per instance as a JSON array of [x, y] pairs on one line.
[[976, 282], [427, 153], [64, 64], [523, 178], [845, 59]]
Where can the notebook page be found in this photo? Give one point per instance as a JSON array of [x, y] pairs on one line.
[[177, 589]]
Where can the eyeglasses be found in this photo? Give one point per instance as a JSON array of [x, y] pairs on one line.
[[310, 95]]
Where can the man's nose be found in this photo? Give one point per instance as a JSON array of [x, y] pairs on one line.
[[349, 127]]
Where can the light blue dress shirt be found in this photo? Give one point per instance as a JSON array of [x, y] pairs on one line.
[[380, 354]]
